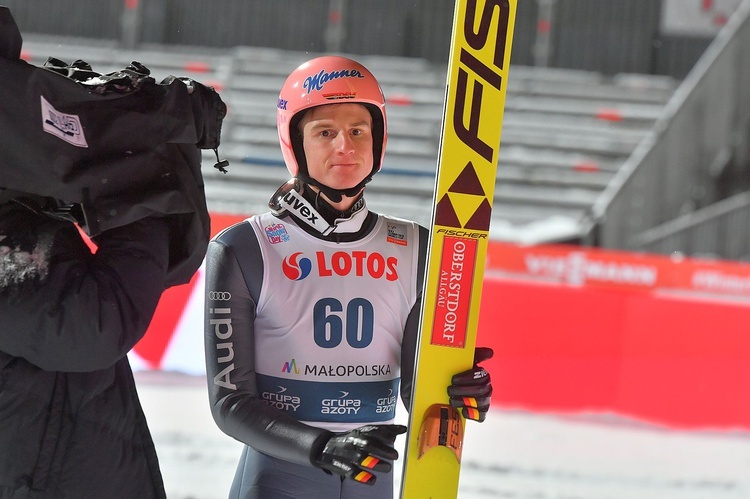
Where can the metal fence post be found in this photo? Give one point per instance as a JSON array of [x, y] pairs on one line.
[[130, 24], [542, 50], [334, 34]]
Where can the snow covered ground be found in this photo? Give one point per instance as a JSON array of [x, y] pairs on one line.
[[513, 455]]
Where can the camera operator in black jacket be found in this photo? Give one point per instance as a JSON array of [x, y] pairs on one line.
[[71, 424], [119, 155]]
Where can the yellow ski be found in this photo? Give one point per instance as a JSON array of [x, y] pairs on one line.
[[464, 190]]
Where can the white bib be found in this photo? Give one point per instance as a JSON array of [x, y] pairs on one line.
[[330, 320]]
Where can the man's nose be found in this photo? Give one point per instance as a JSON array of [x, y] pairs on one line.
[[344, 143]]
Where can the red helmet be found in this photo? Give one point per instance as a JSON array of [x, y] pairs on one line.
[[327, 80]]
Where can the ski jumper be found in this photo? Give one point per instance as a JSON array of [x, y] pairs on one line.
[[309, 334]]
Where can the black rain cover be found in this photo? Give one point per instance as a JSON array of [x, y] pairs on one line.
[[121, 152]]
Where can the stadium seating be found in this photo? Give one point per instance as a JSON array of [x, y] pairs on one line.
[[565, 132]]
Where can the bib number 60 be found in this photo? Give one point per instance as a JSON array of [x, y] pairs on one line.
[[331, 323]]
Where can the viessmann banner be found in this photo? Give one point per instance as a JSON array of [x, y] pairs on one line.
[[578, 266]]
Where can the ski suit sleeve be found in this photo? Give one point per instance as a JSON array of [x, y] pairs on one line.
[[232, 288], [92, 308], [411, 330]]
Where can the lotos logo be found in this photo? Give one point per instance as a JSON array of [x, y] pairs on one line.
[[359, 263], [296, 268], [342, 264], [316, 82]]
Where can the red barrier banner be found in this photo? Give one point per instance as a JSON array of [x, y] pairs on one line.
[[178, 321], [649, 337], [579, 266]]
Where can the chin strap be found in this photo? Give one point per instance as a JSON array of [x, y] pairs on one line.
[[289, 198], [335, 195]]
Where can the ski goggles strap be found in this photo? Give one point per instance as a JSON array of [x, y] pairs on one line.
[[287, 198]]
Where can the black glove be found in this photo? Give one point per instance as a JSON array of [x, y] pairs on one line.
[[357, 453], [471, 390]]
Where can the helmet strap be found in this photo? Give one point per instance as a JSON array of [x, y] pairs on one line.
[[335, 195]]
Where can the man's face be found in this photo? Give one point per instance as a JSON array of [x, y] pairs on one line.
[[337, 140]]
